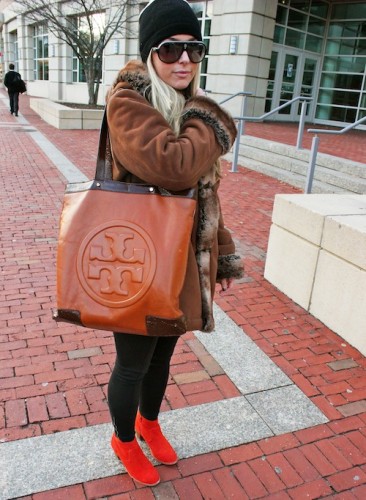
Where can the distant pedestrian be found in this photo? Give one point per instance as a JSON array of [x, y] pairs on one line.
[[10, 80]]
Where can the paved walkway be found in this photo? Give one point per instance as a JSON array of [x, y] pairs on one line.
[[273, 405], [350, 145]]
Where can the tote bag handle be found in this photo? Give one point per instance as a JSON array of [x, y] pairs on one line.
[[101, 173]]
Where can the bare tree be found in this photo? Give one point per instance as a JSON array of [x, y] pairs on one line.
[[86, 26]]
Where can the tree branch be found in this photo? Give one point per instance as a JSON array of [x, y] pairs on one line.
[[87, 44]]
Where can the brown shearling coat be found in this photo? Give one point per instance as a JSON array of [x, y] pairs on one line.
[[145, 149]]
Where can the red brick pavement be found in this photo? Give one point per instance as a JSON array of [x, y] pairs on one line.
[[53, 377], [350, 145]]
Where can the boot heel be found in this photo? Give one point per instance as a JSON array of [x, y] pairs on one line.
[[138, 435], [150, 432], [135, 462]]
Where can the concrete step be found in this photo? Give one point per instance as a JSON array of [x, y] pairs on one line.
[[292, 178], [286, 163]]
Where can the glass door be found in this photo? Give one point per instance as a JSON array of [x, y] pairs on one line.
[[289, 82], [292, 73]]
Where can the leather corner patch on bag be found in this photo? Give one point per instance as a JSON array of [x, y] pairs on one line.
[[163, 328]]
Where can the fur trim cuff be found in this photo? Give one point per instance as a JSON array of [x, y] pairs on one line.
[[229, 266], [211, 113]]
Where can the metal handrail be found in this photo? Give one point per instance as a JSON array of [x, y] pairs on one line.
[[315, 147], [243, 118], [273, 111], [337, 132], [235, 95], [300, 133], [234, 167]]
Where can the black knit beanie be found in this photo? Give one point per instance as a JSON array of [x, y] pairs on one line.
[[162, 19]]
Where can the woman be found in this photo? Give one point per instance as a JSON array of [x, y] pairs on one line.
[[163, 132]]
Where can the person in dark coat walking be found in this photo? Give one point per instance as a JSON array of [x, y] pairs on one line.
[[9, 81]]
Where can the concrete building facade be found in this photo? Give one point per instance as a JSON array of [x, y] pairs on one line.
[[274, 49]]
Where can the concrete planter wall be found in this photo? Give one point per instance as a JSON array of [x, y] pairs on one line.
[[317, 257], [63, 117]]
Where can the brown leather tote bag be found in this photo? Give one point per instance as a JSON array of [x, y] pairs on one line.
[[122, 254]]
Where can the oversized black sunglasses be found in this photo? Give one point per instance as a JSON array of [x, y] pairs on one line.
[[171, 52]]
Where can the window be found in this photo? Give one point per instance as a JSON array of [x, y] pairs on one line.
[[203, 11], [344, 68], [40, 52], [301, 24], [13, 49], [78, 74], [82, 26], [16, 54], [271, 81]]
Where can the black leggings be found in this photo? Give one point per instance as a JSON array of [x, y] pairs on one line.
[[138, 380]]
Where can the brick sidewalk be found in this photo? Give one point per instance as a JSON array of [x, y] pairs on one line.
[[53, 377], [349, 145]]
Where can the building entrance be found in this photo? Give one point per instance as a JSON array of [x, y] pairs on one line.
[[293, 73]]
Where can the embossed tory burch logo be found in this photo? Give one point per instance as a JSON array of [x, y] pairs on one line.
[[109, 261]]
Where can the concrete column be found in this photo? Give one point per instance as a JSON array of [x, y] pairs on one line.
[[252, 23], [56, 62]]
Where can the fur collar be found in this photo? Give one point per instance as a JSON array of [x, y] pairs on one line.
[[134, 76]]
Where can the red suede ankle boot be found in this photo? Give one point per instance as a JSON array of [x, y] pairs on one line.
[[136, 463], [150, 431]]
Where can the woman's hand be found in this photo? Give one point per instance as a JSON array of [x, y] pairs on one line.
[[200, 92], [226, 284]]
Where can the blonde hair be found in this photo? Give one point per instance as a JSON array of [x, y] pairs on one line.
[[167, 100]]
